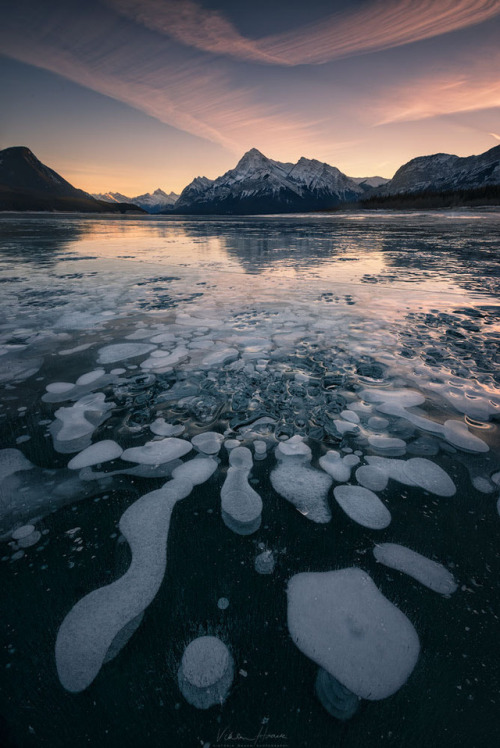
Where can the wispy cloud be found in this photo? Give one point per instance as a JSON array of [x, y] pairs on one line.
[[187, 90], [494, 135], [378, 25], [464, 90]]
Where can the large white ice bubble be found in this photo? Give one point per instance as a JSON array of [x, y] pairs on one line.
[[363, 506], [206, 672], [12, 461], [110, 354], [197, 471], [74, 426], [341, 621], [304, 487], [293, 447], [430, 573], [103, 451], [208, 442], [158, 452], [457, 433], [91, 626], [241, 506], [339, 468]]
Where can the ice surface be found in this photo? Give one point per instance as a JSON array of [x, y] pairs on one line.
[[341, 621], [430, 573], [206, 672], [89, 629], [103, 451], [110, 354], [363, 506], [208, 442], [158, 452]]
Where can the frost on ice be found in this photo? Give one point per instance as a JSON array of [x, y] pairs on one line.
[[424, 570], [341, 621]]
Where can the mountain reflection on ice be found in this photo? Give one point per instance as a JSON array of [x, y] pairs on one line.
[[312, 388]]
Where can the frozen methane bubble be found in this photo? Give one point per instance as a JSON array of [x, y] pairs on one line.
[[457, 433], [220, 357], [387, 445], [336, 466], [260, 447], [90, 377], [423, 569], [223, 603], [336, 698], [104, 451], [241, 457], [161, 428], [231, 444], [304, 487], [363, 506], [341, 621], [294, 447], [74, 426], [430, 476], [372, 477], [241, 506], [264, 563], [22, 532], [110, 354], [208, 442], [12, 461], [206, 672], [91, 626], [158, 452], [197, 471], [58, 388], [28, 540]]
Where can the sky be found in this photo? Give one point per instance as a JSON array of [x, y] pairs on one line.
[[131, 95]]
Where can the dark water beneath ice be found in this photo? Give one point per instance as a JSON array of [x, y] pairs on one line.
[[297, 319]]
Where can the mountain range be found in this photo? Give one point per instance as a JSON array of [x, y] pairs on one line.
[[259, 184], [152, 202]]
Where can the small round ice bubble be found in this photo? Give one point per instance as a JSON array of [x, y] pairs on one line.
[[223, 603], [206, 672], [260, 447], [264, 563]]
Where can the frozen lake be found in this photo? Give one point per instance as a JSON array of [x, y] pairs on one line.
[[297, 469]]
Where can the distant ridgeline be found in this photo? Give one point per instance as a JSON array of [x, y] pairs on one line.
[[27, 184], [260, 185]]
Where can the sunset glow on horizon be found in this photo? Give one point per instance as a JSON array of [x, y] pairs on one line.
[[132, 95]]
